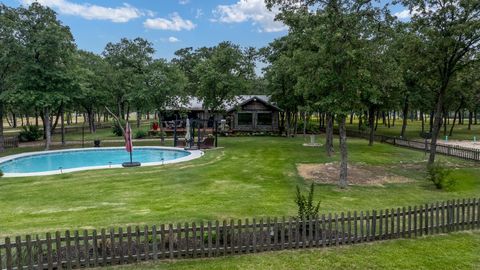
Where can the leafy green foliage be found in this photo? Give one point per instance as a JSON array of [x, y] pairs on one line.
[[440, 176], [140, 134], [116, 128], [306, 206], [30, 133]]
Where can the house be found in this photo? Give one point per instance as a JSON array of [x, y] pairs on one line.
[[246, 113]]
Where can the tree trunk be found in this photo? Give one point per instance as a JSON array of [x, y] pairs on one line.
[[457, 113], [295, 124], [304, 124], [343, 151], [445, 121], [8, 121], [160, 122], [376, 120], [62, 125], [2, 137], [48, 135], [405, 117], [14, 119], [388, 120], [432, 113], [371, 120], [288, 124], [91, 120], [351, 118], [470, 118], [437, 123], [139, 118], [394, 118], [360, 121], [422, 118], [329, 135]]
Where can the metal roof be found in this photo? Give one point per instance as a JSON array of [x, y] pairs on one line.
[[195, 104]]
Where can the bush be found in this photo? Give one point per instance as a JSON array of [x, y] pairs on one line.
[[306, 207], [140, 134], [440, 176], [116, 129], [1, 173], [30, 134]]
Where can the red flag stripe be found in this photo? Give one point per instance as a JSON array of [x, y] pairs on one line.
[[128, 138]]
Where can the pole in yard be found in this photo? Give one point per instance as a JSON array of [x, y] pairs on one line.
[[216, 134]]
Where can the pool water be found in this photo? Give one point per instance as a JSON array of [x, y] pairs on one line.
[[54, 161]]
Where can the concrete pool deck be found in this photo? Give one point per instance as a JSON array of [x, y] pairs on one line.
[[194, 154]]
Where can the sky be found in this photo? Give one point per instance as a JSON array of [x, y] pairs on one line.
[[169, 24]]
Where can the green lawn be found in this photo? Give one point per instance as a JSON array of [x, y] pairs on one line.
[[251, 176], [453, 251]]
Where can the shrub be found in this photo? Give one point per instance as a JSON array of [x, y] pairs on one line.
[[30, 134], [116, 129], [440, 176], [140, 134], [1, 173], [306, 207]]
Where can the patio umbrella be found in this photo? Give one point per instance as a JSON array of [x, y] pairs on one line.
[[188, 136]]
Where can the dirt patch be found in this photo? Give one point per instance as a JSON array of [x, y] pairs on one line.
[[328, 173]]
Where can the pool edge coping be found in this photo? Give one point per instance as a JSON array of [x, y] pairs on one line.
[[194, 154]]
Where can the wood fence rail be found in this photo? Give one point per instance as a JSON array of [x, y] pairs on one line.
[[85, 249], [449, 150]]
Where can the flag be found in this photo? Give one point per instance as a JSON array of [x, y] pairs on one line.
[[128, 138]]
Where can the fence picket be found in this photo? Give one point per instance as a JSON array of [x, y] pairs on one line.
[[104, 247], [94, 247], [217, 238], [86, 248], [39, 252]]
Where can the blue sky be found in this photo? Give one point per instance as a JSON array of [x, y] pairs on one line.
[[169, 24]]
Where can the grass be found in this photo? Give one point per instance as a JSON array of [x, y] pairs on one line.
[[453, 251], [250, 176]]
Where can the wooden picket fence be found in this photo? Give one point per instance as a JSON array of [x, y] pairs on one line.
[[85, 249], [10, 142]]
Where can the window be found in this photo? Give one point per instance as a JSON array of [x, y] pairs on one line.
[[264, 119], [244, 119]]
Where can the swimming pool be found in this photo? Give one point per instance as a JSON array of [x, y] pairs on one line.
[[63, 161]]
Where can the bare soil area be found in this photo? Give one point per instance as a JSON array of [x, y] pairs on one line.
[[328, 173], [467, 144]]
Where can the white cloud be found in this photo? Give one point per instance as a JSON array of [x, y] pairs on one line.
[[173, 40], [183, 2], [175, 23], [198, 13], [403, 15], [254, 11], [119, 14]]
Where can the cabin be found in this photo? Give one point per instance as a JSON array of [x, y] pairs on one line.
[[246, 113], [254, 114]]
